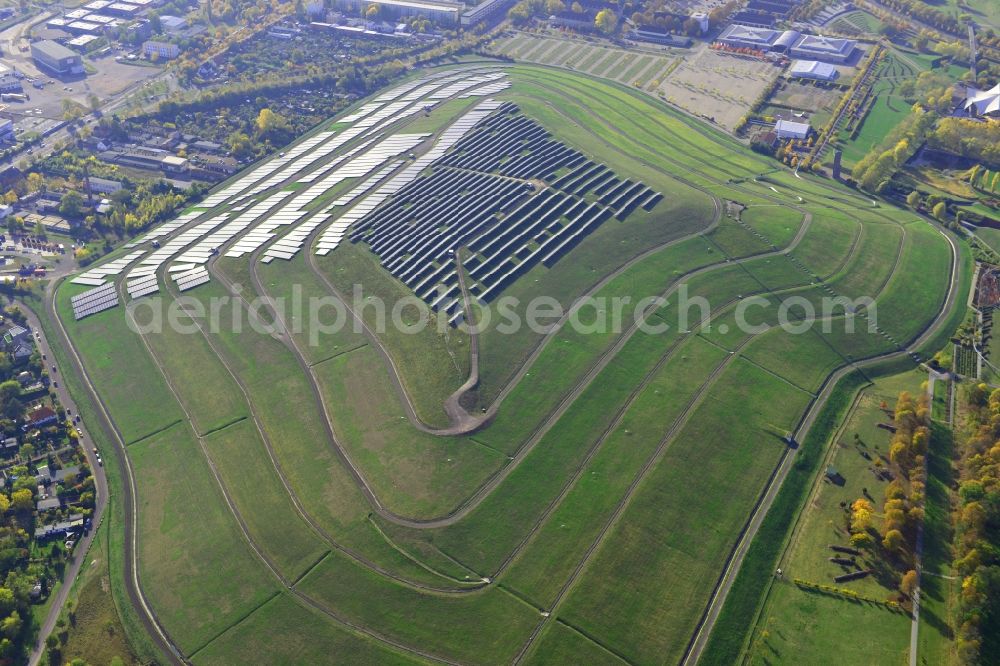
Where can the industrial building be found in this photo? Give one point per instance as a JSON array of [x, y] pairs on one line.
[[786, 129], [827, 49], [760, 39], [56, 58], [792, 42], [8, 81], [487, 10], [163, 50], [813, 69], [662, 37], [437, 11]]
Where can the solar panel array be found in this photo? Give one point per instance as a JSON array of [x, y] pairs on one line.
[[96, 276], [192, 278], [142, 286], [359, 166], [481, 194], [200, 252], [332, 236], [165, 229], [94, 300], [490, 89], [263, 171], [364, 151], [151, 264]]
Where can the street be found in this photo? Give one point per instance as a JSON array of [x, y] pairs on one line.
[[101, 485]]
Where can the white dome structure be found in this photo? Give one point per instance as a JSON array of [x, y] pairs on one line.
[[983, 103]]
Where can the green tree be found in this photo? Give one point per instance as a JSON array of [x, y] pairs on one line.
[[606, 21], [22, 500], [71, 205], [940, 211], [11, 626], [913, 199]]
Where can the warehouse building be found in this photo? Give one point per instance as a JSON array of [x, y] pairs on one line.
[[56, 58], [813, 69], [8, 81], [786, 129], [827, 49], [760, 39]]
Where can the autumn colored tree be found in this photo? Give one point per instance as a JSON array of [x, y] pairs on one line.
[[908, 584], [893, 541]]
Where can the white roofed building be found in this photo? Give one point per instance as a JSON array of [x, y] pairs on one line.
[[813, 69], [9, 82], [827, 49], [744, 36], [786, 129]]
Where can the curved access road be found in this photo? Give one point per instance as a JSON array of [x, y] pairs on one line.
[[79, 554], [133, 585], [735, 559]]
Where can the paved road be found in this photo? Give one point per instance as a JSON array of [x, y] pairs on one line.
[[100, 481]]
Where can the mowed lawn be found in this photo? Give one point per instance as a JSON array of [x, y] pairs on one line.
[[125, 376], [808, 627], [562, 644], [284, 631], [486, 627], [822, 628], [432, 365], [271, 517], [647, 584], [554, 550], [196, 568], [208, 392], [427, 477]]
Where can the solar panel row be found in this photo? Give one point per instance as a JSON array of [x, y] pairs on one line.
[[94, 300], [91, 294], [114, 267], [332, 236], [359, 166]]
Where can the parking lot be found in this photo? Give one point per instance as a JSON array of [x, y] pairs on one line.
[[110, 79]]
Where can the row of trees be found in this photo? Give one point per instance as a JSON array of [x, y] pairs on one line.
[[977, 529], [902, 509], [874, 171], [984, 179]]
